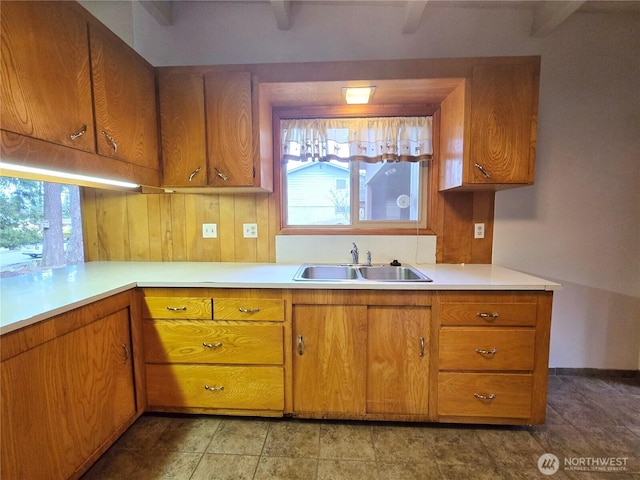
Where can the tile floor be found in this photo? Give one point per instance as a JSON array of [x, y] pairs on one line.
[[587, 418]]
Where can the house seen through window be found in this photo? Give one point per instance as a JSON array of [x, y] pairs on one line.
[[355, 172], [40, 226]]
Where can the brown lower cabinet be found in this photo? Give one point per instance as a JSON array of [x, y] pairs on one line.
[[72, 384], [68, 390]]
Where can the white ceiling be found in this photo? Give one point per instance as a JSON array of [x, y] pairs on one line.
[[547, 15]]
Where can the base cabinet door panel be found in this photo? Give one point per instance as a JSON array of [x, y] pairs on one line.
[[63, 399], [398, 360], [330, 358]]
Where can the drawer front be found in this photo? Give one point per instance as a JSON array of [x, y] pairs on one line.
[[194, 341], [486, 348], [484, 395], [515, 314], [202, 386], [265, 309], [176, 307]]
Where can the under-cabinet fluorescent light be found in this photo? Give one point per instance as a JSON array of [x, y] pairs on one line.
[[358, 95], [65, 175]]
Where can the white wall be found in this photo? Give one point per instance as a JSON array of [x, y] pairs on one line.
[[579, 224]]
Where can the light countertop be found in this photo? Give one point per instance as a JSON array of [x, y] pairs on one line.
[[27, 299]]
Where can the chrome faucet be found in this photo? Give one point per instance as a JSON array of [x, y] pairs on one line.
[[354, 253], [369, 258]]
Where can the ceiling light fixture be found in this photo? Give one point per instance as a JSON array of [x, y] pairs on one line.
[[358, 95], [83, 179]]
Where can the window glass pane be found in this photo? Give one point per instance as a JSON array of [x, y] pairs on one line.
[[318, 193], [40, 226], [389, 191]]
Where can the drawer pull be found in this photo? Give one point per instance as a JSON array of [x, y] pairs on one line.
[[127, 353], [422, 346], [491, 396], [488, 316], [78, 134], [112, 141], [193, 174], [212, 345], [300, 345], [480, 351], [249, 310], [214, 389], [177, 309]]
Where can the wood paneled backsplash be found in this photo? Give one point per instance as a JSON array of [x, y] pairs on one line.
[[121, 226], [168, 227]]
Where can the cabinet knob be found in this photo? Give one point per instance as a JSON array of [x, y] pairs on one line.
[[193, 174], [127, 353], [220, 174], [480, 351], [79, 133], [249, 310], [214, 389], [479, 396], [482, 170], [112, 141]]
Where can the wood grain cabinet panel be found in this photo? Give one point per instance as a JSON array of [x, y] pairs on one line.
[[216, 387], [486, 348], [45, 91], [63, 400], [329, 364], [229, 129], [190, 341], [503, 124], [252, 309], [177, 307], [483, 395], [182, 123], [125, 102], [398, 360]]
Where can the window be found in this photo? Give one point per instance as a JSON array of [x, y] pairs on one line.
[[355, 172], [40, 226]]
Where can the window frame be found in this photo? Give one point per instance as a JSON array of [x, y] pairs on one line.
[[428, 177]]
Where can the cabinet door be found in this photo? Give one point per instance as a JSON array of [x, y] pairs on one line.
[[398, 362], [503, 124], [229, 129], [46, 83], [182, 123], [125, 102], [330, 358], [62, 400]]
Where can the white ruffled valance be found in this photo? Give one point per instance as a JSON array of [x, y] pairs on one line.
[[374, 139]]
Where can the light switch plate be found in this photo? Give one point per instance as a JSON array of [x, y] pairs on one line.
[[250, 230], [209, 230]]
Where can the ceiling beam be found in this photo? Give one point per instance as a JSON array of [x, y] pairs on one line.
[[160, 10], [550, 15], [282, 11], [413, 11]]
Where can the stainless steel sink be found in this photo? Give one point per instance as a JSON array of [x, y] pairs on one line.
[[363, 273], [326, 272], [392, 273]]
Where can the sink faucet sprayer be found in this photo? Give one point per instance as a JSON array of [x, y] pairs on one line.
[[354, 253]]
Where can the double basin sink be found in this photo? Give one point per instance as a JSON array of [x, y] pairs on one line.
[[364, 273]]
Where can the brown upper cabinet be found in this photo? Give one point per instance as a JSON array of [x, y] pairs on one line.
[[46, 80], [211, 136], [488, 130], [70, 82], [125, 101]]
